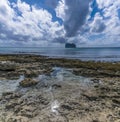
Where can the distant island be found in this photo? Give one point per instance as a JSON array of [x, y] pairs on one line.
[[70, 45]]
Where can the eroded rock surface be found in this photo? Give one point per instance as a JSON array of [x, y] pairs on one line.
[[59, 95], [28, 82]]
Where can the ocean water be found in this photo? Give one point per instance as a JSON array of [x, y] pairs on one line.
[[111, 54]]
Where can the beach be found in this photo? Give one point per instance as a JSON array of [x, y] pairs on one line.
[[36, 88]]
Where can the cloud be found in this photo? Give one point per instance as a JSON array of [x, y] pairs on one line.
[[25, 24], [98, 24], [51, 3], [76, 14], [105, 25], [112, 21], [32, 24], [60, 9]]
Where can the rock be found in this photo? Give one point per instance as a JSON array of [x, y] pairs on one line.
[[7, 67], [28, 114], [116, 101], [12, 120], [31, 74], [47, 71], [7, 93], [28, 82], [10, 95], [56, 86], [28, 111], [96, 102], [95, 121], [66, 107], [96, 80], [11, 105], [90, 98]]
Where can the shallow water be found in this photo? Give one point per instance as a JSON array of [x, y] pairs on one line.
[[65, 75], [71, 86], [9, 85], [88, 53], [58, 75]]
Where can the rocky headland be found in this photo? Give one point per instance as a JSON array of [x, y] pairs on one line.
[[42, 89]]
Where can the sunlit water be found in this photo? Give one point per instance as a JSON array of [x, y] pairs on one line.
[[59, 75], [97, 54], [9, 85], [63, 76]]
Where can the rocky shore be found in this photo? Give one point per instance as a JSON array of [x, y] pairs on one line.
[[42, 89]]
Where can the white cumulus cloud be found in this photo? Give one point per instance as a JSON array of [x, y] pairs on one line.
[[31, 25]]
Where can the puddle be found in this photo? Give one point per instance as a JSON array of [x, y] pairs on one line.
[[54, 107], [66, 75], [60, 86], [9, 85], [62, 75], [68, 80], [59, 75]]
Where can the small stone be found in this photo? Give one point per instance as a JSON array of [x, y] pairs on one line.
[[7, 93], [10, 95], [66, 107], [31, 74], [96, 80], [28, 82], [56, 86], [11, 105]]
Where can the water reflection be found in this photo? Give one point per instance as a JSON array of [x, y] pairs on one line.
[[106, 54], [9, 85]]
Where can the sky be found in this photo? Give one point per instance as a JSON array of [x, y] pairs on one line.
[[56, 22]]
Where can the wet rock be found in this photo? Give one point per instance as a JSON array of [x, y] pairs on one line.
[[28, 114], [7, 67], [95, 121], [17, 109], [28, 82], [31, 74], [48, 71], [96, 80], [17, 119], [7, 93], [11, 105], [12, 120], [10, 95], [91, 98], [28, 111], [56, 86], [12, 75], [116, 101], [66, 107], [105, 89], [95, 104]]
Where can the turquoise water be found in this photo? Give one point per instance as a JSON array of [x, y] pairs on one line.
[[97, 54]]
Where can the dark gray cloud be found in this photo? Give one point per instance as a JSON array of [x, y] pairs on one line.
[[98, 25], [3, 10], [9, 34], [61, 40], [76, 13], [51, 3], [101, 28]]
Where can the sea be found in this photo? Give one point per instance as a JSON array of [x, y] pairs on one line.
[[107, 54]]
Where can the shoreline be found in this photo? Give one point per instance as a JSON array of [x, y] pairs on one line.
[[59, 89], [107, 58]]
